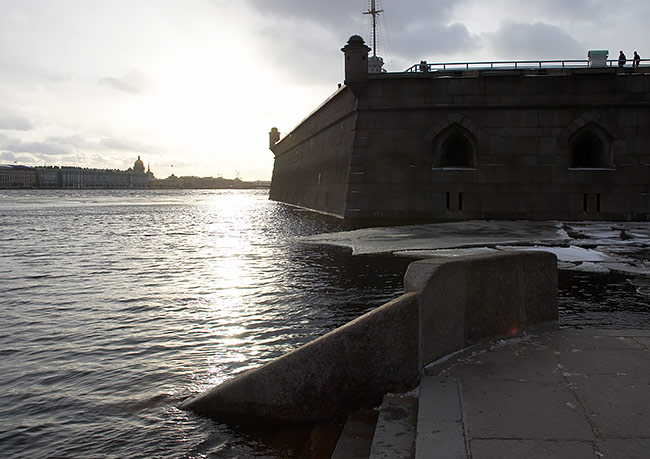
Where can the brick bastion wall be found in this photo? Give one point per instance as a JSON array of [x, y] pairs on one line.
[[448, 305], [539, 144]]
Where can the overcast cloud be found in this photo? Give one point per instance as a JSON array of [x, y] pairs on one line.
[[133, 82], [514, 40]]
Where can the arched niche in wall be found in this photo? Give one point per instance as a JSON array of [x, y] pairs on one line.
[[454, 147], [589, 148]]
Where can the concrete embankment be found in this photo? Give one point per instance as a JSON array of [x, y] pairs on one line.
[[448, 305]]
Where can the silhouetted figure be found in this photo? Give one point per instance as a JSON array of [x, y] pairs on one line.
[[622, 59], [424, 67], [637, 60]]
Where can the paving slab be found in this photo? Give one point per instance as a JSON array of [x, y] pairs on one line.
[[560, 394], [532, 449], [395, 431], [524, 410], [522, 362], [624, 448], [586, 340], [617, 405], [606, 362], [645, 342], [440, 429]]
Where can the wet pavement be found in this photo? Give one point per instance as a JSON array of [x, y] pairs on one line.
[[561, 394]]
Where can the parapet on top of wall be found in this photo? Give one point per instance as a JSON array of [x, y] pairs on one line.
[[449, 304]]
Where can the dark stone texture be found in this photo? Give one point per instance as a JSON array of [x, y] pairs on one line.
[[465, 300]]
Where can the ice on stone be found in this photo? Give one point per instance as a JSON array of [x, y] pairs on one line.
[[594, 247], [641, 268], [476, 233], [589, 267], [444, 253], [570, 254]]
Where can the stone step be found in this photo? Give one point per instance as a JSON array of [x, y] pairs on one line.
[[440, 433], [321, 441], [356, 438], [395, 432]]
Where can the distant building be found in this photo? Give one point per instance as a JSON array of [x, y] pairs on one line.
[[48, 177], [170, 182], [138, 166], [150, 175], [85, 178], [14, 176]]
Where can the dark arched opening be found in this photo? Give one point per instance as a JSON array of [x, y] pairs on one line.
[[456, 152], [590, 149], [454, 147]]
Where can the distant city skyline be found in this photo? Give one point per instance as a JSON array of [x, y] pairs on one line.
[[236, 175], [196, 86]]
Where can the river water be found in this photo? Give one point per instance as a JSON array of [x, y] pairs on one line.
[[117, 305]]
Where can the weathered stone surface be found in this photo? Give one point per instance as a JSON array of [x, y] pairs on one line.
[[533, 449], [440, 428], [467, 299], [395, 431]]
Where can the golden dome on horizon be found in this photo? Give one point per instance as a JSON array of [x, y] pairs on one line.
[[138, 166]]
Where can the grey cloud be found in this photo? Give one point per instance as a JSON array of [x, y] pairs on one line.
[[133, 83], [294, 33], [16, 123], [540, 41], [579, 10], [8, 157], [424, 41], [76, 141], [125, 145], [40, 148], [51, 146], [344, 15], [308, 59]]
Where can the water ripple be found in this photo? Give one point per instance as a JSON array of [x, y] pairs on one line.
[[119, 304]]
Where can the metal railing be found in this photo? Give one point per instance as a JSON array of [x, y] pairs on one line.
[[425, 67]]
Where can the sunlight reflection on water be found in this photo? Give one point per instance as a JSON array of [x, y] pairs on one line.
[[119, 304]]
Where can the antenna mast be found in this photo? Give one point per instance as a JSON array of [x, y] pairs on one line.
[[374, 12]]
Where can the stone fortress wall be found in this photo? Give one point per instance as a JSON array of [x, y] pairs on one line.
[[537, 144]]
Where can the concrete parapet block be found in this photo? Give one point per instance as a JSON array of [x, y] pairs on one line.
[[350, 367], [442, 288], [468, 299]]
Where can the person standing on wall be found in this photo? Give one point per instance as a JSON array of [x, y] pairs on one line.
[[637, 60], [622, 59]]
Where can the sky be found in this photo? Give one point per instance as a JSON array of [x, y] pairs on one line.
[[194, 86]]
